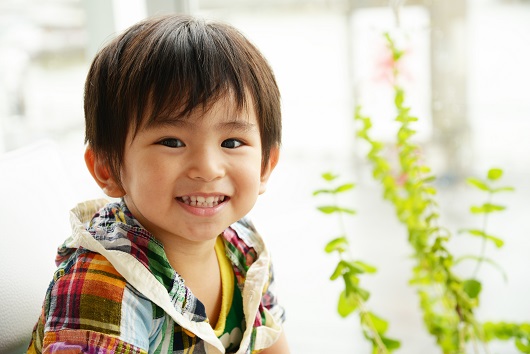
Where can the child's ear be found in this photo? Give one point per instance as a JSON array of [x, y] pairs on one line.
[[266, 172], [100, 171]]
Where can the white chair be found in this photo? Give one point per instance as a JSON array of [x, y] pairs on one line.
[[36, 193]]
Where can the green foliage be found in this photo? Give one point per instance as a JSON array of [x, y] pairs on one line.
[[495, 240], [329, 209], [339, 189], [472, 288], [490, 188], [353, 297], [339, 244], [447, 301], [504, 331]]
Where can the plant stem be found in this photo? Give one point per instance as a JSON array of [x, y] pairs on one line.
[[342, 225], [363, 313], [484, 240]]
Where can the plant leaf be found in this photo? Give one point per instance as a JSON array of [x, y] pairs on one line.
[[429, 179], [399, 98], [472, 288], [353, 267], [345, 267], [347, 304], [365, 267], [339, 269], [503, 189], [502, 330], [344, 188], [432, 216], [478, 184], [378, 323], [486, 208], [339, 244], [363, 294], [329, 209], [494, 174], [475, 232], [323, 191], [390, 344], [328, 176], [430, 190], [347, 211], [497, 241]]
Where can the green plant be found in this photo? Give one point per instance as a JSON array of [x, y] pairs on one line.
[[353, 298], [473, 286], [447, 309], [447, 301]]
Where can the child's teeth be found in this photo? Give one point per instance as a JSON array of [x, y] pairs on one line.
[[200, 201]]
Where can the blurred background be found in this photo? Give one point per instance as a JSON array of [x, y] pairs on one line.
[[466, 73]]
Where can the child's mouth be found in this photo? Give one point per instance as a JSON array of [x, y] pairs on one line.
[[202, 202]]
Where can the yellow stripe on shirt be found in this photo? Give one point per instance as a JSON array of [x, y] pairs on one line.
[[227, 284]]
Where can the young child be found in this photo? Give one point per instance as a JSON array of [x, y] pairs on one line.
[[183, 126]]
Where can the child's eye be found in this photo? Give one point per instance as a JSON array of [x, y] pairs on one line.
[[231, 143], [172, 143]]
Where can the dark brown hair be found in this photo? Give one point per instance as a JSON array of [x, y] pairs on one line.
[[172, 65]]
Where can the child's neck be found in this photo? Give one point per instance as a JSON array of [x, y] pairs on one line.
[[189, 259], [197, 264]]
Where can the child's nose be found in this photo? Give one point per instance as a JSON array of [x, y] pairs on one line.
[[206, 164]]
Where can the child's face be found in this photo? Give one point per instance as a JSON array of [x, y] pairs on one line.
[[192, 178]]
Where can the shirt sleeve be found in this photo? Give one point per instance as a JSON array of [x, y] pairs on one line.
[[85, 311], [84, 341]]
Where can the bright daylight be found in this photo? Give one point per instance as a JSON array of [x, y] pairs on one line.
[[282, 176]]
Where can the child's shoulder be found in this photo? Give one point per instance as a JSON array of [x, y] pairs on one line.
[[87, 281], [86, 277], [89, 303], [86, 266]]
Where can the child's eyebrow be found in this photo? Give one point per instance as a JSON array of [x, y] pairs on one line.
[[166, 122], [237, 125]]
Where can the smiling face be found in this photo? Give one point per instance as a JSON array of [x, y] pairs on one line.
[[190, 178]]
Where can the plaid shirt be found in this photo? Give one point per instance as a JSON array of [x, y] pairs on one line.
[[115, 292]]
